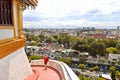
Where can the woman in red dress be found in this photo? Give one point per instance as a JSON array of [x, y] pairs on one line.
[[46, 60]]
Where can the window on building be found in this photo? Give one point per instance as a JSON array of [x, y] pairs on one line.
[[5, 12]]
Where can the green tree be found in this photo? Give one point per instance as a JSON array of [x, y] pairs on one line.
[[111, 43], [111, 50], [96, 68], [33, 38], [34, 57], [82, 66], [33, 43], [66, 60], [97, 48], [113, 72], [64, 39], [82, 59], [91, 69], [80, 44], [118, 46], [118, 74], [55, 37], [84, 48], [29, 38], [42, 37], [50, 39], [72, 41], [90, 40]]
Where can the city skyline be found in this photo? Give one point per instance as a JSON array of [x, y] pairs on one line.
[[79, 13]]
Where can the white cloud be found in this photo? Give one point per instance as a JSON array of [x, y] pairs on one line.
[[52, 10], [60, 8]]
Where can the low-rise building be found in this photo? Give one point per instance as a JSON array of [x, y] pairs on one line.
[[114, 57]]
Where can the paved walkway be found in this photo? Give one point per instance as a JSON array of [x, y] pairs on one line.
[[49, 74]]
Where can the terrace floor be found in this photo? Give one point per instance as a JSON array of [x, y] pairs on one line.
[[41, 74]]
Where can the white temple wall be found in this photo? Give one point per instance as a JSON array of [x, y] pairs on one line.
[[15, 66]]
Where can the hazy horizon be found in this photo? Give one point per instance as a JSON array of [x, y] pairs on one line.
[[66, 27]]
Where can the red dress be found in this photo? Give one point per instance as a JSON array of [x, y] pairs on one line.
[[45, 60]]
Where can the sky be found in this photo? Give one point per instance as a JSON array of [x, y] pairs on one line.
[[73, 13]]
